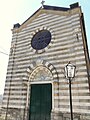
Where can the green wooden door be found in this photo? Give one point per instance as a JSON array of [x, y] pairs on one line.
[[40, 102]]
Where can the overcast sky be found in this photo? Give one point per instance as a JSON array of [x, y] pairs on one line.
[[17, 11]]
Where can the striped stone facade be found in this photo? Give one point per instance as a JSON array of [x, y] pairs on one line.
[[68, 43]]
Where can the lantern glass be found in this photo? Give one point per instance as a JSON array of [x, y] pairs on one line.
[[70, 70]]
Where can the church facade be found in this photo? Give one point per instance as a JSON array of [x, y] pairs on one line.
[[41, 47]]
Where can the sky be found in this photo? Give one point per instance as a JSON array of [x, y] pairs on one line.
[[17, 11]]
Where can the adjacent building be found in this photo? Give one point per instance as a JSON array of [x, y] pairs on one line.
[[41, 47]]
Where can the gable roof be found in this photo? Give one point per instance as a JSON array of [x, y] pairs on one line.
[[47, 7]]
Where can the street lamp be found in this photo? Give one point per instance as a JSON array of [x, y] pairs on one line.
[[70, 74]]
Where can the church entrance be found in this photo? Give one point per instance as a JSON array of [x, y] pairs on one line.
[[40, 102]]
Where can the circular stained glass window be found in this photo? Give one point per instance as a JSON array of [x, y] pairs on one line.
[[41, 39]]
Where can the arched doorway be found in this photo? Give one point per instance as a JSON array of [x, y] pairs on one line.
[[40, 94]]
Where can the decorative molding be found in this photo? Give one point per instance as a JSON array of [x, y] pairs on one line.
[[41, 65]]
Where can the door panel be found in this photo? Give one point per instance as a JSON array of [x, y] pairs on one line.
[[40, 102]]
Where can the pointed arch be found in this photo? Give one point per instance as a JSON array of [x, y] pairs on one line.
[[40, 66]]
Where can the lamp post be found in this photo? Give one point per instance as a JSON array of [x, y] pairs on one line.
[[70, 74]]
